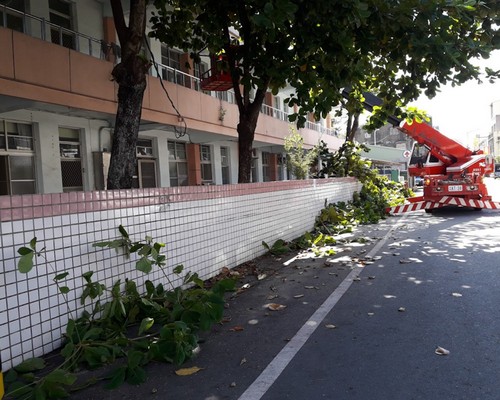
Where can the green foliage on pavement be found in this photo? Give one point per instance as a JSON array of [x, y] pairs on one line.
[[159, 322]]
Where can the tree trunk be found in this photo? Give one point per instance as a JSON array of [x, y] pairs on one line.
[[352, 127], [246, 132], [130, 75], [123, 162]]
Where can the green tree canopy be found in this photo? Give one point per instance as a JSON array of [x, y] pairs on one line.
[[394, 48]]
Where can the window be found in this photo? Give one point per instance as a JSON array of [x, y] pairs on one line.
[[145, 175], [178, 167], [200, 68], [171, 58], [61, 18], [266, 170], [17, 161], [224, 160], [281, 167], [206, 164], [9, 17], [71, 161]]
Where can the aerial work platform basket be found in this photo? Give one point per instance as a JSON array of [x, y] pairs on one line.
[[217, 78]]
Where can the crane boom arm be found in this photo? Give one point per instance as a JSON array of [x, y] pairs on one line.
[[445, 149]]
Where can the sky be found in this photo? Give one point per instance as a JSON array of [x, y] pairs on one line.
[[462, 112]]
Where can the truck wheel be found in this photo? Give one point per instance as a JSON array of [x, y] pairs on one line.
[[429, 210]]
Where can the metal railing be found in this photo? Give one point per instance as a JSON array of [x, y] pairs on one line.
[[42, 29]]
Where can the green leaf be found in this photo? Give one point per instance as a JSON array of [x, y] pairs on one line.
[[10, 376], [33, 243], [61, 276], [68, 350], [24, 250], [117, 377], [19, 390], [92, 334], [64, 289], [144, 265], [30, 365], [134, 358], [146, 249], [178, 269], [123, 232], [25, 263], [136, 246], [87, 276], [136, 376], [61, 376], [146, 324]]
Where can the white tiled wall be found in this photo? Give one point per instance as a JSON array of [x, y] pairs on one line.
[[203, 234]]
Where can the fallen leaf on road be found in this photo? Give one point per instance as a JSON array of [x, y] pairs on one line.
[[309, 287], [440, 351], [405, 261], [274, 306], [188, 371], [243, 361], [253, 322], [330, 326], [298, 296], [261, 276], [237, 328], [401, 309], [370, 314], [456, 294]]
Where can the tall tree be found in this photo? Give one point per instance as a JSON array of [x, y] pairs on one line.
[[130, 75], [395, 48]]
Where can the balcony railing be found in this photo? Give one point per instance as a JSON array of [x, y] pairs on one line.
[[42, 29], [45, 30]]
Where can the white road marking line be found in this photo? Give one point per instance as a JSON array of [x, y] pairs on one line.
[[265, 380]]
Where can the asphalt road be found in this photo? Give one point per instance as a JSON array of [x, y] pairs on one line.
[[361, 325], [437, 284]]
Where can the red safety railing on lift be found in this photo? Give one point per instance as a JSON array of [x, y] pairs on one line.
[[217, 78]]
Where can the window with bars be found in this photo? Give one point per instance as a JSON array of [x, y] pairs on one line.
[[10, 18], [224, 160], [61, 16], [281, 167], [177, 163], [171, 58], [71, 161], [206, 164], [145, 176], [17, 158], [266, 168]]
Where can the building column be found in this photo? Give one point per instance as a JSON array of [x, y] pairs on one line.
[[194, 165]]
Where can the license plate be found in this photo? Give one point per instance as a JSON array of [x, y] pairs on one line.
[[455, 188]]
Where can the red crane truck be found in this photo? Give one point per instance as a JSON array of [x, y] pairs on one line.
[[453, 175]]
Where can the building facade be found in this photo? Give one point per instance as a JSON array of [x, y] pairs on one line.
[[58, 106]]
